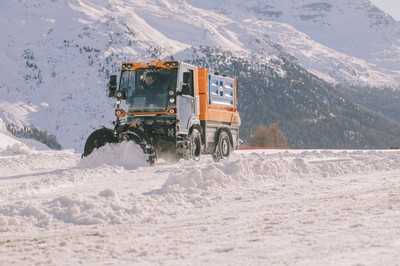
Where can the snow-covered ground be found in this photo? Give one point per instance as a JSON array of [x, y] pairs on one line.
[[314, 207]]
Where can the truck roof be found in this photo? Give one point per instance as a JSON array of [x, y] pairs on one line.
[[151, 64]]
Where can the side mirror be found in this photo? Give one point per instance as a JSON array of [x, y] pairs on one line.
[[112, 86]]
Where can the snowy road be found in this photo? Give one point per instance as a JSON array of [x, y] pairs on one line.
[[258, 208]]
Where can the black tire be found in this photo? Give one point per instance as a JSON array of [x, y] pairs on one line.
[[138, 137], [195, 145], [223, 147], [98, 139]]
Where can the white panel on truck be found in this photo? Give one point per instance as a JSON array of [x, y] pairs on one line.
[[221, 90]]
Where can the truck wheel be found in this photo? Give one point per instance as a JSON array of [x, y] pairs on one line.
[[195, 144], [97, 139], [139, 138], [223, 147]]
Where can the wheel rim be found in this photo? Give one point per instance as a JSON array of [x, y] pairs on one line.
[[225, 147]]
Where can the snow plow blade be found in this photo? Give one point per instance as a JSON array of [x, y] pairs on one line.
[[98, 139], [103, 136]]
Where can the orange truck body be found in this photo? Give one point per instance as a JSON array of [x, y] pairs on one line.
[[216, 101]]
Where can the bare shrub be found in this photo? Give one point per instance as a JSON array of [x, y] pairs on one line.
[[269, 137]]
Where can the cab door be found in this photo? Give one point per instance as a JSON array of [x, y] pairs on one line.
[[186, 100]]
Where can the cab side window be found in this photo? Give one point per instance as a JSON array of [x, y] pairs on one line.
[[188, 83]]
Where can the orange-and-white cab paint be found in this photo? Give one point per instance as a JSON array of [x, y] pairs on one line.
[[212, 115]]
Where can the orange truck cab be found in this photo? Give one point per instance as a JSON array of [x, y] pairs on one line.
[[173, 108]]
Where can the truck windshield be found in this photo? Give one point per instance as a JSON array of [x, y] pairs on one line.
[[148, 89]]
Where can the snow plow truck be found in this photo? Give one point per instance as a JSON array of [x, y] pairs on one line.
[[173, 109]]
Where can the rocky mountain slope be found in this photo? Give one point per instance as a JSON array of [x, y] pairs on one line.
[[311, 112]]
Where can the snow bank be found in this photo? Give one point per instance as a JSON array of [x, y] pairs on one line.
[[9, 145], [113, 195], [127, 155], [100, 209], [256, 168], [15, 149], [203, 177]]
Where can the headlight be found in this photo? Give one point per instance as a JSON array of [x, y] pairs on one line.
[[135, 123], [120, 113], [171, 100]]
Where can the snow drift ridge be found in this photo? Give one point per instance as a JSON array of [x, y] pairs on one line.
[[108, 198]]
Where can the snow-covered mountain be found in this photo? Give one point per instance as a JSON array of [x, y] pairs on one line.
[[55, 55], [354, 27]]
